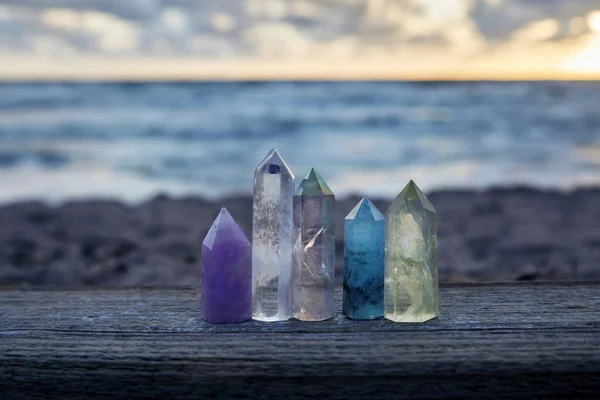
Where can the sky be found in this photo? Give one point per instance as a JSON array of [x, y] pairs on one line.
[[298, 39]]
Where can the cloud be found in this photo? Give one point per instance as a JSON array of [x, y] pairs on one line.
[[267, 28], [351, 30], [109, 32], [137, 10], [499, 20]]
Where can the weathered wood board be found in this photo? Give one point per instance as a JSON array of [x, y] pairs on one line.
[[527, 340]]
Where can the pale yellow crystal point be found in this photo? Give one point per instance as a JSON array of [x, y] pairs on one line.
[[411, 266]]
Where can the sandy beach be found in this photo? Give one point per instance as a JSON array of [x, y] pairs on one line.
[[510, 234]]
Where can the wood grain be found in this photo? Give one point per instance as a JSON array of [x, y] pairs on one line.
[[527, 340]]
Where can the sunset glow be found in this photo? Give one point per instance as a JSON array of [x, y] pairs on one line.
[[594, 21], [587, 60]]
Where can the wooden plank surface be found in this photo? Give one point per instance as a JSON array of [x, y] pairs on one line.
[[527, 340]]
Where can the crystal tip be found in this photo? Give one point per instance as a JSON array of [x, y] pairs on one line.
[[365, 209], [412, 192], [313, 184], [313, 175], [224, 228], [273, 163], [411, 186]]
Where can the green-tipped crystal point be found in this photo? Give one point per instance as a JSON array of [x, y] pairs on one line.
[[313, 261], [411, 266], [313, 185]]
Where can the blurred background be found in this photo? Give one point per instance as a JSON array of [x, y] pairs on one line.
[[125, 126]]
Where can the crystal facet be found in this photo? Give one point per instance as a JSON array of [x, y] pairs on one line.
[[226, 294], [313, 264], [364, 244], [411, 265], [272, 239]]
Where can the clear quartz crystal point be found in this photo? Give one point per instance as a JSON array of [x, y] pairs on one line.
[[313, 263], [411, 265], [272, 239]]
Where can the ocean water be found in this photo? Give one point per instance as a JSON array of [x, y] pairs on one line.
[[131, 141]]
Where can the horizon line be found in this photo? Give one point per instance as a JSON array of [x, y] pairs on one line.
[[195, 70]]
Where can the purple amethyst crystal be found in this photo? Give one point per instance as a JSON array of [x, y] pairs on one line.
[[226, 294]]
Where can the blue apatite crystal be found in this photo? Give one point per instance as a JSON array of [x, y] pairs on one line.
[[364, 246]]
